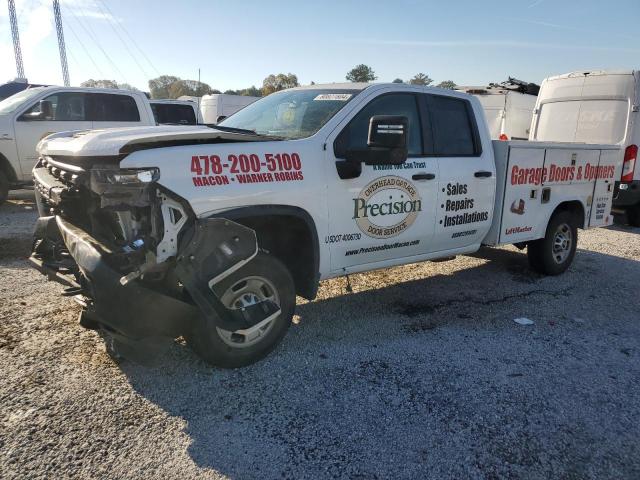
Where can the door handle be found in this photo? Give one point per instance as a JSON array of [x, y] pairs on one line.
[[482, 174], [423, 176]]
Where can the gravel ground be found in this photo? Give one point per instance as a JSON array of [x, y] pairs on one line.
[[420, 373]]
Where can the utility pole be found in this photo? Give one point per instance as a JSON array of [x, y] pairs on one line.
[[61, 46], [16, 39]]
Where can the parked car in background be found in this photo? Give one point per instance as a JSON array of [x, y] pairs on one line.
[[596, 107], [219, 106], [34, 113], [508, 107], [176, 112]]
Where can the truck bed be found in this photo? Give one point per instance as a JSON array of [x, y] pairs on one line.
[[534, 178]]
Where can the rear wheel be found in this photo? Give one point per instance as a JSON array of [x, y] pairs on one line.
[[633, 215], [553, 254], [264, 278], [4, 187]]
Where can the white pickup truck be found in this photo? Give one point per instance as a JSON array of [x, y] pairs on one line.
[[28, 116], [210, 233]]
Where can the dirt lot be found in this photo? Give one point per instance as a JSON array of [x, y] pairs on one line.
[[420, 373]]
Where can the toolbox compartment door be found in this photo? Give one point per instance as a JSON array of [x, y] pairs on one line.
[[520, 209], [608, 170]]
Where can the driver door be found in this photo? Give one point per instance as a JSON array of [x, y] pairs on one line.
[[67, 112], [387, 211]]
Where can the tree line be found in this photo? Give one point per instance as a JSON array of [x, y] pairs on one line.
[[170, 86]]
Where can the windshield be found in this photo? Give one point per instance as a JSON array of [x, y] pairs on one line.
[[13, 102], [291, 114]]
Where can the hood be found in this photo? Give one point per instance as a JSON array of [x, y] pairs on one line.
[[119, 141]]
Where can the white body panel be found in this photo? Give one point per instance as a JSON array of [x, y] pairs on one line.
[[589, 107], [508, 113], [219, 105], [535, 177], [19, 137]]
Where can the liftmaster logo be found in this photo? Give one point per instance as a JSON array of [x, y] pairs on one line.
[[386, 207]]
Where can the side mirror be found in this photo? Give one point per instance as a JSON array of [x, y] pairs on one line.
[[45, 112], [46, 109], [388, 131], [386, 145]]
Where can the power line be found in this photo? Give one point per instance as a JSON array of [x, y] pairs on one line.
[[96, 41], [85, 49], [135, 44], [109, 19]]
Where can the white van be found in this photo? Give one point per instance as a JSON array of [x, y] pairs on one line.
[[508, 112], [217, 107], [596, 107], [30, 115]]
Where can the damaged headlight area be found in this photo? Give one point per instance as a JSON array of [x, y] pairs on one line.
[[128, 187], [130, 176]]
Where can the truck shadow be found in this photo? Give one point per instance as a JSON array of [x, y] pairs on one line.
[[358, 371]]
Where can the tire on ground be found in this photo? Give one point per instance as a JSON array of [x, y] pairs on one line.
[[208, 343], [542, 257], [4, 187], [633, 215]]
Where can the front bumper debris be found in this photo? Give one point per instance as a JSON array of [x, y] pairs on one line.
[[140, 320]]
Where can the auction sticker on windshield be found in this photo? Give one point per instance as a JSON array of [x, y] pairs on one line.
[[340, 97]]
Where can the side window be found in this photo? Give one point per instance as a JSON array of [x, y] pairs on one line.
[[453, 127], [110, 107], [174, 113], [354, 135], [59, 107]]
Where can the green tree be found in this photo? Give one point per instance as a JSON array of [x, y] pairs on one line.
[[398, 80], [99, 83], [252, 91], [169, 86], [361, 73], [275, 83], [159, 87], [126, 86], [421, 79], [107, 84], [448, 84]]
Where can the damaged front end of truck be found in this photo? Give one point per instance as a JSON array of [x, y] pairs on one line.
[[134, 255]]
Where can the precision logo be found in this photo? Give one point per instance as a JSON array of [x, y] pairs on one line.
[[386, 207]]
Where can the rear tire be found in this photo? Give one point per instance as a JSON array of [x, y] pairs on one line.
[[633, 215], [553, 254], [4, 188], [263, 277]]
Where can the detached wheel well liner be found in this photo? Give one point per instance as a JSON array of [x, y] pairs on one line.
[[289, 233]]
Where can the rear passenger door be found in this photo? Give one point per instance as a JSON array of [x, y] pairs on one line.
[[467, 177], [109, 110]]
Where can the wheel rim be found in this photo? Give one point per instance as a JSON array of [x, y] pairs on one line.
[[562, 243], [243, 293]]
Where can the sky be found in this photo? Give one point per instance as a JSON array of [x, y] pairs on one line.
[[236, 44]]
